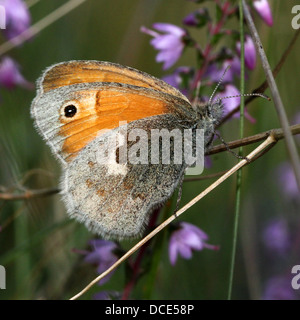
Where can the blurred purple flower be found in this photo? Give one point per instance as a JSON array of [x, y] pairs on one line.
[[185, 239], [235, 65], [103, 256], [102, 295], [17, 17], [276, 236], [107, 295], [197, 18], [208, 162], [176, 78], [250, 52], [191, 19], [170, 43], [279, 288], [215, 73], [231, 103], [263, 9], [10, 75], [296, 120], [287, 181]]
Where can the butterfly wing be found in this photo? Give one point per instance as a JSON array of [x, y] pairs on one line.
[[114, 199], [99, 107], [89, 71], [79, 104]]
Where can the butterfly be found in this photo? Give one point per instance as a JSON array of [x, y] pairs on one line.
[[80, 106]]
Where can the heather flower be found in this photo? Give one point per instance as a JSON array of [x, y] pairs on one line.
[[102, 255], [102, 295], [215, 73], [235, 65], [186, 239], [191, 20], [263, 9], [287, 181], [180, 79], [276, 236], [169, 42], [197, 18], [107, 295], [230, 104], [296, 120], [17, 17], [250, 52], [279, 288], [10, 75], [207, 162]]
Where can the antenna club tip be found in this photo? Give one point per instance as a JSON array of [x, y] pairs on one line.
[[266, 97]]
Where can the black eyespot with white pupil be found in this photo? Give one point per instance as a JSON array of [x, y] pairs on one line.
[[70, 111]]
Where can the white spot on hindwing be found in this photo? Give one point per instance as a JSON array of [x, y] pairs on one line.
[[116, 169]]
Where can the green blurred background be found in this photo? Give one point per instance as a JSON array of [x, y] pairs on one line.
[[37, 238]]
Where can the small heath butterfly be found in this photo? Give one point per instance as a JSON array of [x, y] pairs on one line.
[[80, 106]]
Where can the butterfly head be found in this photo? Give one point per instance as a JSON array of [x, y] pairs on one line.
[[209, 114]]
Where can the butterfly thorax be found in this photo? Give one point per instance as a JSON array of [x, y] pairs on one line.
[[208, 116]]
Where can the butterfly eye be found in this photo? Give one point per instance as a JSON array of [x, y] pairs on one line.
[[208, 111], [70, 111]]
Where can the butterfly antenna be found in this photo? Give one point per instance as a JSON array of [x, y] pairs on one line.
[[217, 86], [246, 95]]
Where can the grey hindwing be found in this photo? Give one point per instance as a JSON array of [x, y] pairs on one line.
[[115, 200]]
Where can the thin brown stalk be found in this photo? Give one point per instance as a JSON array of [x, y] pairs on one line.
[[259, 149], [290, 143], [276, 133], [28, 194]]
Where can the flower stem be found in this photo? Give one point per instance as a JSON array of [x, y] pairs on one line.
[[213, 30], [239, 173]]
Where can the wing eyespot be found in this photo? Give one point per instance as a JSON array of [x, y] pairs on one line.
[[70, 111]]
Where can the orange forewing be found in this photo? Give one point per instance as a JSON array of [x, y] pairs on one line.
[[104, 109], [74, 72]]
